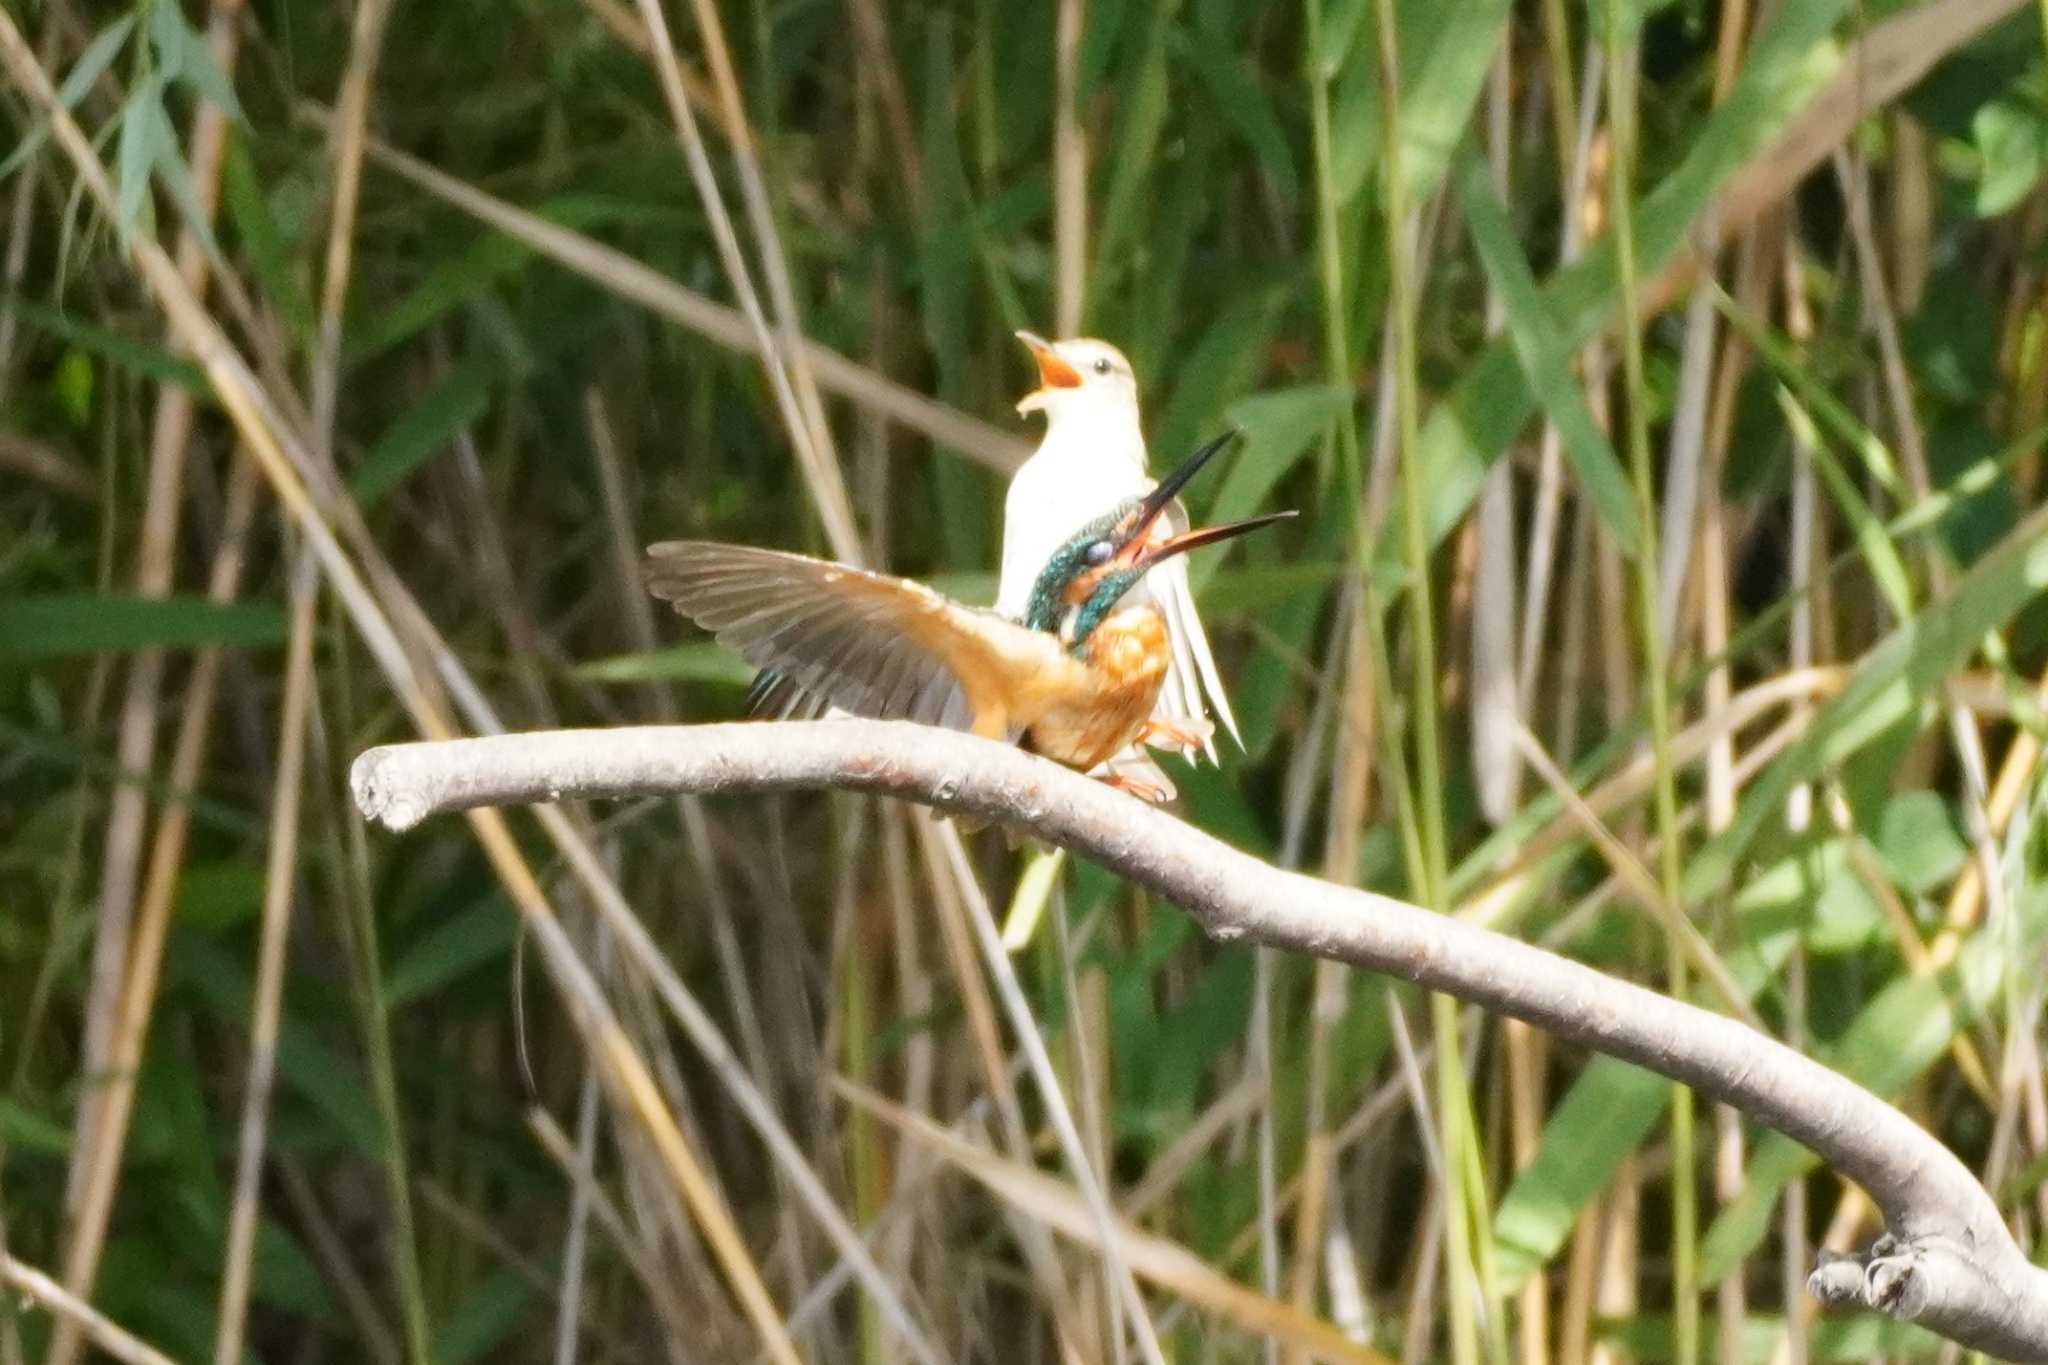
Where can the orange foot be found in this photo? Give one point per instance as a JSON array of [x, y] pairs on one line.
[[1173, 734], [1138, 787]]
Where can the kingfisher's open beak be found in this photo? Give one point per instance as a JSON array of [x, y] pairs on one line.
[[1139, 532], [1053, 372], [1207, 535], [1143, 548]]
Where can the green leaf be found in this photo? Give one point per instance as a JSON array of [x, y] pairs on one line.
[[167, 37], [1873, 541], [1223, 365], [2011, 135], [182, 56], [1612, 1106], [1608, 1111], [458, 279], [1890, 682], [460, 398], [99, 54], [1905, 1029], [184, 193], [85, 623], [218, 895], [1920, 841], [1343, 21], [248, 206], [482, 1322], [1546, 361], [1278, 426], [74, 384], [1833, 414], [454, 946], [145, 135], [1142, 108], [1445, 52], [305, 1062], [149, 361], [1789, 59], [24, 1128], [1235, 94]]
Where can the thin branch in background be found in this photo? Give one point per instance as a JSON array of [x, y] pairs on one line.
[[988, 938], [949, 895], [1165, 1263], [21, 222], [950, 428], [1494, 698], [1069, 173], [279, 891], [1623, 59], [878, 64], [84, 1319], [134, 1008], [638, 608], [30, 458], [1469, 1290], [1886, 60], [605, 1211], [135, 748], [789, 378]]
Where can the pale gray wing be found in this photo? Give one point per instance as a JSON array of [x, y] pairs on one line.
[[868, 643]]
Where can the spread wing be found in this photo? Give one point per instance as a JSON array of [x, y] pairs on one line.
[[827, 635]]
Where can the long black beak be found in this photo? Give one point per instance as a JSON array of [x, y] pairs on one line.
[[1206, 535], [1160, 498]]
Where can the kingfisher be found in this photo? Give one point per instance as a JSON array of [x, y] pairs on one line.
[[1074, 675], [1091, 460]]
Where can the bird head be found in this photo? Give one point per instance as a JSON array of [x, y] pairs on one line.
[[1079, 376], [1097, 565]]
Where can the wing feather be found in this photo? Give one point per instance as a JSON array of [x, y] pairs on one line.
[[1192, 670], [826, 634]]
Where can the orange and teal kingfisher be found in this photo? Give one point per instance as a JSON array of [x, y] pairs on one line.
[[1076, 679]]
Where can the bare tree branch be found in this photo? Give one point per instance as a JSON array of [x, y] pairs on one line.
[[1947, 1263]]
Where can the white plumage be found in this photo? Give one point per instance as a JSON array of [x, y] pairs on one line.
[[1092, 458]]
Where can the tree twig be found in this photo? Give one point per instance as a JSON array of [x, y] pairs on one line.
[[106, 1334], [1948, 1262]]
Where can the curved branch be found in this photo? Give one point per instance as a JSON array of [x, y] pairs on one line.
[[1948, 1262]]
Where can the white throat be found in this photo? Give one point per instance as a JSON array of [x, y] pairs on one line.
[[1095, 427]]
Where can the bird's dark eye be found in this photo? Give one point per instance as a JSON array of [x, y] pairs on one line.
[[1102, 365], [1098, 552]]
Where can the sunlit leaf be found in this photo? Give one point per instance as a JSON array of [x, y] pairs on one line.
[[2012, 144]]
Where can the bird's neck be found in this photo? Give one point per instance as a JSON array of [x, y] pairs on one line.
[[1098, 432]]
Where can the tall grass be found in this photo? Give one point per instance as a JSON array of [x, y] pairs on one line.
[[469, 301]]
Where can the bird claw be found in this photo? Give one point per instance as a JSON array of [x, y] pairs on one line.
[[1150, 792], [1174, 734]]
